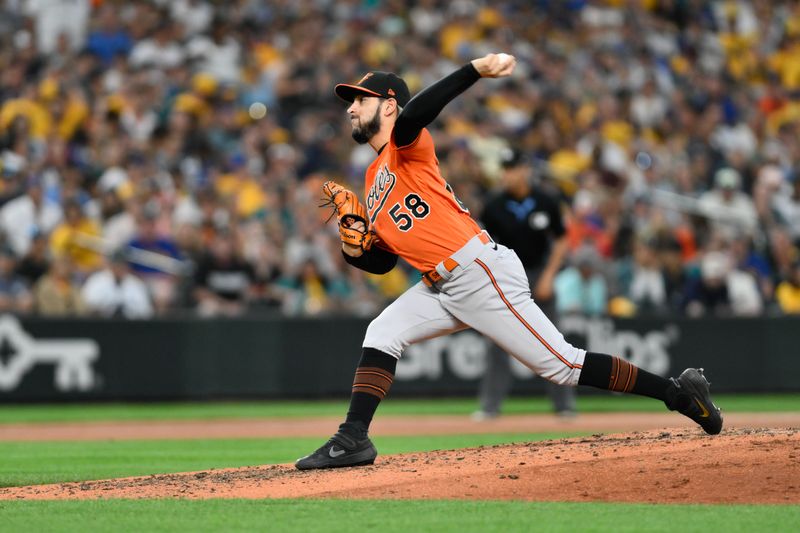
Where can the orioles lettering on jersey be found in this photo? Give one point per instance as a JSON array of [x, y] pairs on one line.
[[379, 192]]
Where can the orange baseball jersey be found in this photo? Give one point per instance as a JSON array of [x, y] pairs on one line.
[[410, 206]]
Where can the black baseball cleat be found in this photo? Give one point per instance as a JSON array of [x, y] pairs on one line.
[[689, 395], [341, 450]]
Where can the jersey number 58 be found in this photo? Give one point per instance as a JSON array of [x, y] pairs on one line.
[[415, 206]]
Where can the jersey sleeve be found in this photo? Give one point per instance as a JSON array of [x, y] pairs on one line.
[[421, 149], [426, 106], [375, 260]]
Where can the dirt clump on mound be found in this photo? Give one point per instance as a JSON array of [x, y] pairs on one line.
[[674, 466]]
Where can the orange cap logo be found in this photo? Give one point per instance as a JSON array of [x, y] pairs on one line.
[[365, 78]]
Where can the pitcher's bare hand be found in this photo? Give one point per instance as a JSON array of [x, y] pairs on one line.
[[495, 65]]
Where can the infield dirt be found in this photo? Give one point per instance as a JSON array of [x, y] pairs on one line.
[[742, 465]]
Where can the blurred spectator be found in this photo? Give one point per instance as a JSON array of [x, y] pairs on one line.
[[581, 288], [193, 15], [14, 294], [308, 244], [783, 252], [217, 55], [393, 283], [160, 50], [708, 294], [722, 289], [149, 252], [27, 215], [363, 298], [119, 219], [261, 248], [747, 258], [746, 299], [734, 138], [56, 293], [674, 272], [116, 292], [788, 292], [586, 224], [647, 286], [310, 292], [769, 184], [78, 238], [59, 19], [731, 211], [786, 205], [138, 118], [109, 38], [223, 281], [36, 262], [648, 108]]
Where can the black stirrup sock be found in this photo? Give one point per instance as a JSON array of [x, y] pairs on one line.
[[374, 377], [616, 374]]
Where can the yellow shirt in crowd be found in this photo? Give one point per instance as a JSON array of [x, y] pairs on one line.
[[788, 296], [76, 242]]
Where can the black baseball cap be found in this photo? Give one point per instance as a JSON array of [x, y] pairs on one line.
[[512, 157], [376, 83]]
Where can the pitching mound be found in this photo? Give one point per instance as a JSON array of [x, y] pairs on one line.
[[677, 466]]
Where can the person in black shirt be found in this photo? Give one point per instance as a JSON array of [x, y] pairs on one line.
[[223, 280], [528, 220], [673, 271], [35, 263]]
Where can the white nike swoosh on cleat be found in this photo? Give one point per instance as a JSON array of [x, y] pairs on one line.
[[335, 454]]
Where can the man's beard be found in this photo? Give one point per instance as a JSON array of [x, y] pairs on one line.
[[362, 135]]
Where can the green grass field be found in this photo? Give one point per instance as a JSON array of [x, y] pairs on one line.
[[604, 403], [26, 463], [388, 516]]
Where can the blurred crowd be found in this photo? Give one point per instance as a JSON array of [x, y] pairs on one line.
[[159, 157]]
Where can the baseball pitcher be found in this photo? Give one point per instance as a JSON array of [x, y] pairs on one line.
[[468, 280]]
